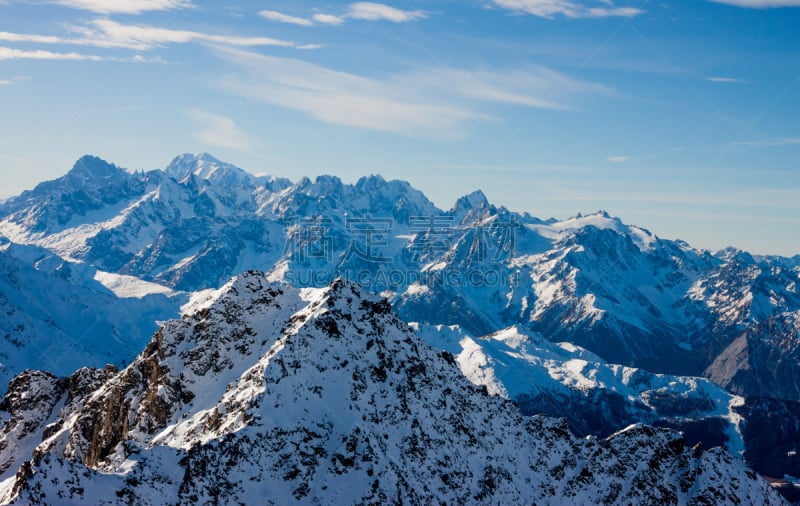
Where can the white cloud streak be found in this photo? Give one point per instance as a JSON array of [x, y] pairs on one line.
[[760, 4], [567, 8], [430, 102], [106, 33], [727, 80], [113, 34], [8, 53], [285, 18], [328, 19], [371, 11], [124, 6], [364, 11], [220, 131], [769, 143], [618, 159]]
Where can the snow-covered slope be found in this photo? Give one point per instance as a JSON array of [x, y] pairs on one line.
[[597, 398], [57, 317], [273, 394]]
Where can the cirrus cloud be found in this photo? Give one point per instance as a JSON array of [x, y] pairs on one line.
[[426, 102], [284, 18], [760, 4], [8, 53], [220, 131], [363, 11], [567, 8], [114, 34], [106, 33], [328, 19], [371, 11], [124, 6]]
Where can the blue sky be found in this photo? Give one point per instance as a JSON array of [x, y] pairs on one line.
[[681, 117]]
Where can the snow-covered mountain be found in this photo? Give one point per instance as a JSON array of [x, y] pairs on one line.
[[266, 393], [598, 399], [62, 316], [121, 249], [615, 289]]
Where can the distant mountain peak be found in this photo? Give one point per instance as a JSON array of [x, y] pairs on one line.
[[731, 253], [89, 166], [476, 199], [372, 179], [206, 167]]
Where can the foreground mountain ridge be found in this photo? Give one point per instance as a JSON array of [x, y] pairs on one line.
[[266, 392]]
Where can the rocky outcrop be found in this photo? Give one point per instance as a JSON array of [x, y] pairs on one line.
[[271, 394], [764, 361]]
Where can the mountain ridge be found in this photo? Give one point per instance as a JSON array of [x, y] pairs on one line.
[[270, 392]]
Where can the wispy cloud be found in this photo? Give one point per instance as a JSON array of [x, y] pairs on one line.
[[721, 79], [143, 37], [124, 6], [429, 102], [106, 33], [5, 82], [618, 159], [364, 11], [285, 18], [328, 19], [768, 143], [533, 86], [36, 39], [760, 4], [566, 8], [220, 131], [8, 53], [379, 12]]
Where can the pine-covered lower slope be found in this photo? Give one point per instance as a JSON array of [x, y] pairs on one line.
[[268, 394]]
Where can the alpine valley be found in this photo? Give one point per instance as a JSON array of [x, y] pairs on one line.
[[202, 335]]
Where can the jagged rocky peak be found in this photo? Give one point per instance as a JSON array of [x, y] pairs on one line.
[[32, 401], [266, 394], [471, 200], [376, 186], [328, 185], [469, 205], [397, 198], [371, 182], [89, 166], [736, 256]]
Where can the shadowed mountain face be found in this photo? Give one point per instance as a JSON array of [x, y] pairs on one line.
[[268, 393], [615, 289]]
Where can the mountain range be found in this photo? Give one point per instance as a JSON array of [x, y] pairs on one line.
[[590, 319]]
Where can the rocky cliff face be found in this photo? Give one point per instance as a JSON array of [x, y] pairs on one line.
[[764, 360], [270, 393]]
